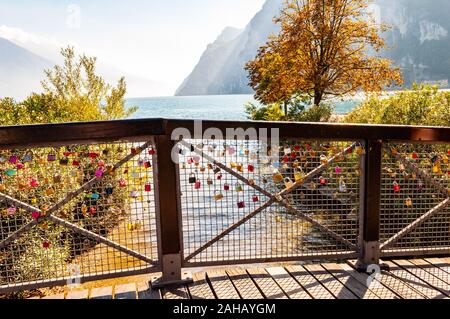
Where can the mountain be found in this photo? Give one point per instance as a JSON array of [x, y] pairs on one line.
[[418, 41], [220, 70], [20, 70]]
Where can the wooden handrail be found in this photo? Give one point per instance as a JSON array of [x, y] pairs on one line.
[[138, 129]]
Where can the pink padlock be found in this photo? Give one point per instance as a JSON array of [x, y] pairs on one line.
[[34, 183], [99, 173]]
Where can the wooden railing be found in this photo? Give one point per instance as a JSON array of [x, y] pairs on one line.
[[87, 201]]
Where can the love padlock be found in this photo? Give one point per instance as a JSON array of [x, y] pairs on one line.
[[198, 184], [299, 175], [239, 188], [192, 178], [218, 196], [277, 177], [288, 183], [396, 187], [342, 185], [409, 202], [241, 205]]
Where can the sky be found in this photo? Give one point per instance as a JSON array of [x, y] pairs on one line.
[[161, 40]]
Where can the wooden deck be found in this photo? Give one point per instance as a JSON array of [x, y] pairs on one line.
[[406, 279]]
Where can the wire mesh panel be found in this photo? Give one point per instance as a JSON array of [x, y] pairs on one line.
[[415, 198], [76, 211], [239, 205]]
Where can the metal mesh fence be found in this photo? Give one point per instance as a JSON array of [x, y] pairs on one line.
[[230, 194], [82, 210], [415, 197]]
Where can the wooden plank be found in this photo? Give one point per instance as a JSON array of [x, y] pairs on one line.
[[425, 276], [222, 286], [332, 284], [244, 284], [126, 291], [289, 285], [266, 284], [55, 297], [175, 293], [314, 287], [200, 288], [416, 283], [78, 294], [101, 293], [376, 286], [144, 291], [351, 283], [435, 270], [396, 284], [442, 263]]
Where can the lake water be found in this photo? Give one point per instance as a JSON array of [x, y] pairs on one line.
[[212, 107]]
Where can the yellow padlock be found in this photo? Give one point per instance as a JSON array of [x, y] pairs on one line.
[[299, 175], [218, 196], [277, 177]]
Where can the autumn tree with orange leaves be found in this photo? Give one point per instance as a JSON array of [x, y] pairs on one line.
[[322, 51]]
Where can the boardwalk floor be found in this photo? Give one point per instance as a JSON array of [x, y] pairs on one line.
[[406, 279]]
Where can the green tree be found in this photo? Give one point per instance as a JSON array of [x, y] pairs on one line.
[[82, 93], [298, 109]]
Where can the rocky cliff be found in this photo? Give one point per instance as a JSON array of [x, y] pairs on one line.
[[419, 42]]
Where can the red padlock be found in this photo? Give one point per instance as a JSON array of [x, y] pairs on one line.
[[251, 168], [198, 184], [241, 205], [219, 177], [396, 187], [148, 187], [226, 187], [147, 164], [151, 151], [255, 199]]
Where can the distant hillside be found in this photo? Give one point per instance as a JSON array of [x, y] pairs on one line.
[[220, 71], [419, 40], [20, 70]]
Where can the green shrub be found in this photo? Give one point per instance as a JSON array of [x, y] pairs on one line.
[[423, 105], [298, 109]]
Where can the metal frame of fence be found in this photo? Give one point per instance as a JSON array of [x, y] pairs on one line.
[[376, 230]]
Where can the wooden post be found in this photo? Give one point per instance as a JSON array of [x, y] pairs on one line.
[[369, 237], [168, 210]]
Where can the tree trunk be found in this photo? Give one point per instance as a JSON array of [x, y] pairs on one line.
[[285, 105], [317, 97]]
